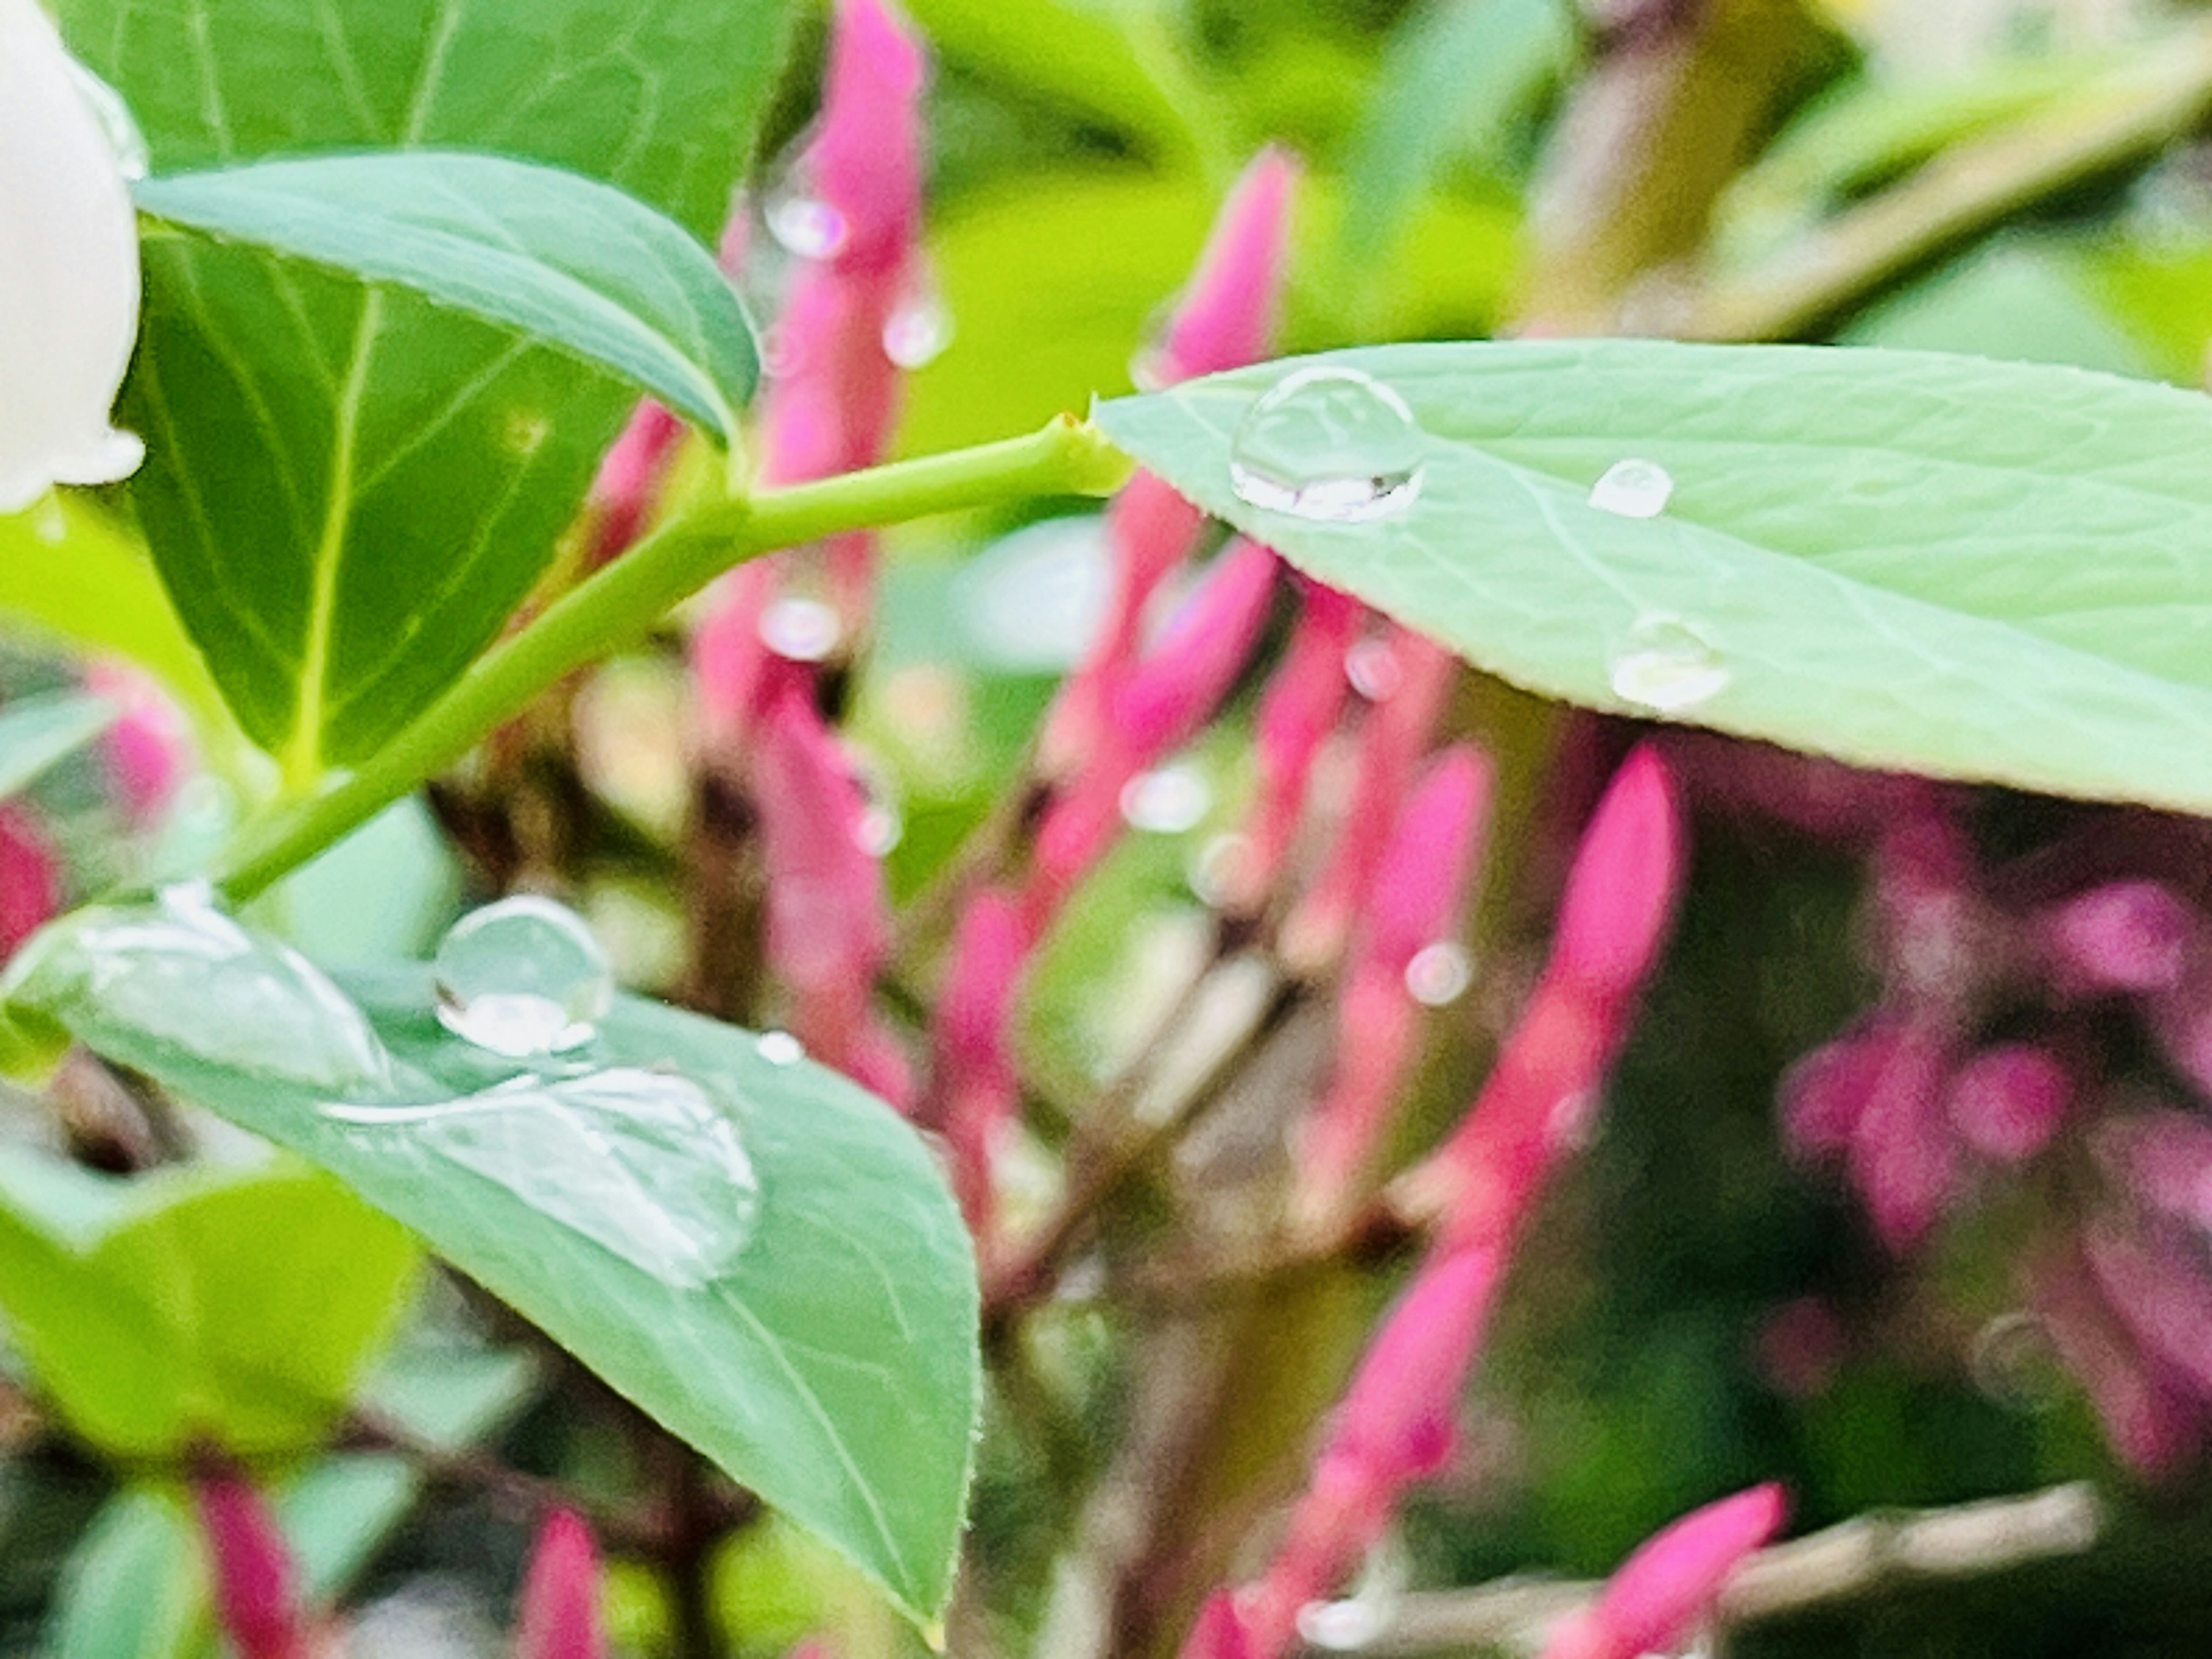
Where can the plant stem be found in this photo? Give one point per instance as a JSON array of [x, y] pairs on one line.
[[622, 600]]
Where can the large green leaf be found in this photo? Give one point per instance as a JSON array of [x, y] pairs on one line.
[[349, 487], [156, 1315], [751, 1248], [1978, 570], [563, 258]]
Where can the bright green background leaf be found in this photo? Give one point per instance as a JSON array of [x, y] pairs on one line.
[[1978, 570], [830, 1364], [563, 258], [349, 489]]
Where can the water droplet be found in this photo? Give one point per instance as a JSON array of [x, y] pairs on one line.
[[1633, 488], [1439, 974], [522, 978], [802, 629], [1374, 670], [1340, 1626], [780, 1048], [181, 972], [1031, 600], [917, 333], [1329, 445], [643, 1162], [880, 829], [1167, 800], [809, 228], [117, 124], [1665, 666]]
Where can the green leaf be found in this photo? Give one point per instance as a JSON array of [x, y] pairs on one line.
[[155, 1315], [561, 257], [758, 1253], [1988, 571], [350, 487], [37, 733]]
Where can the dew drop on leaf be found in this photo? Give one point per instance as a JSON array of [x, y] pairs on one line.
[[917, 331], [1331, 446], [809, 228], [1633, 488], [521, 978], [1667, 666], [780, 1048]]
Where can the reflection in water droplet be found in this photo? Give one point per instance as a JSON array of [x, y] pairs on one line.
[[1667, 666], [802, 629], [1439, 974], [644, 1163], [917, 333], [180, 971], [810, 228], [117, 124], [1374, 670], [522, 977], [1167, 800], [780, 1048], [1633, 488], [1329, 445]]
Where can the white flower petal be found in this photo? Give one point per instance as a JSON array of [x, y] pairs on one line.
[[69, 272]]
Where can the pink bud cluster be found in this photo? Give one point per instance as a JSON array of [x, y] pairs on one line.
[[1395, 1425]]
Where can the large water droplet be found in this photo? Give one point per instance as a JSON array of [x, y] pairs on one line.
[[918, 330], [1667, 666], [522, 977], [644, 1163], [1439, 974], [1633, 488], [1167, 800], [802, 629], [809, 228], [180, 971], [1330, 445]]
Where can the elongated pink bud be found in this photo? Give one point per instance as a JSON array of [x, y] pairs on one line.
[[2161, 1297], [1669, 1584], [2164, 1159], [2123, 936], [251, 1574], [1904, 1151], [2007, 1101], [149, 746], [1418, 887], [1219, 1632], [1824, 1092], [30, 878], [1228, 314], [627, 489], [1538, 1097], [972, 1089], [559, 1617], [829, 926], [2150, 1421], [1299, 708], [865, 159]]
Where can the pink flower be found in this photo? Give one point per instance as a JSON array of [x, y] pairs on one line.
[[972, 1089], [1219, 1632], [1297, 713], [2161, 1296], [2150, 1421], [1622, 886], [627, 486], [1669, 1584], [148, 747], [2007, 1101], [2164, 1159], [2122, 936], [559, 1616], [254, 1580], [30, 879]]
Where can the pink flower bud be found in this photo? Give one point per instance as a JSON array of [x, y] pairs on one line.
[[2164, 1159], [1297, 713], [1823, 1092], [254, 1580], [2123, 936], [1614, 910], [2150, 1423], [2006, 1103], [1219, 1632], [1226, 316], [1903, 1154], [1669, 1584], [627, 487], [30, 879], [865, 159], [829, 927], [148, 747], [972, 1087], [2162, 1298], [559, 1616]]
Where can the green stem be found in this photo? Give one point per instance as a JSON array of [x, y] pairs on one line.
[[621, 601]]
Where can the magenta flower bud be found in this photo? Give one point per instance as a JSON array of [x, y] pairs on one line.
[[627, 488], [148, 747], [1297, 713], [972, 1093], [1824, 1092], [865, 159], [2164, 1159], [829, 924], [1227, 314], [2152, 1425], [1219, 1632], [1669, 1586], [30, 879], [1615, 907], [251, 1574], [2162, 1298], [2006, 1103], [2123, 936], [1177, 688], [559, 1615], [1903, 1155]]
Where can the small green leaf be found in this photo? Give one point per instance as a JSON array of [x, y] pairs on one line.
[[751, 1248], [1990, 571], [563, 258], [155, 1313], [38, 733]]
